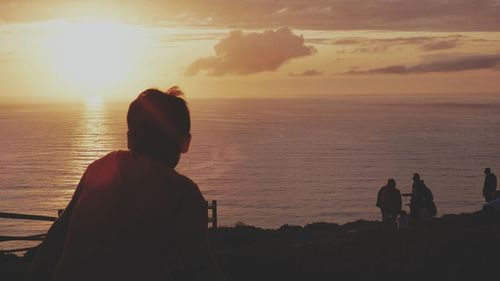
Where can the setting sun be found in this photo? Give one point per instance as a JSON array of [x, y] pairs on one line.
[[93, 56]]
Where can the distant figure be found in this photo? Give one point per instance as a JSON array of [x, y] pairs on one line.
[[379, 199], [132, 216], [490, 185], [390, 204], [422, 206]]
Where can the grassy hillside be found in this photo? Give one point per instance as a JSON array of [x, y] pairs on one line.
[[453, 247]]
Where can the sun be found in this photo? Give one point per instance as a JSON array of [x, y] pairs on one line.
[[93, 57]]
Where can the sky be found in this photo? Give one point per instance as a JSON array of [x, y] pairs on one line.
[[65, 50]]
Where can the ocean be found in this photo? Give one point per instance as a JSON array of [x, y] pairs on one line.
[[267, 162]]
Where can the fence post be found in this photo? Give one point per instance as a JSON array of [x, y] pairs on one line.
[[214, 214]]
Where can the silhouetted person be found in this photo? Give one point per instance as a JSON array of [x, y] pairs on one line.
[[132, 216], [390, 204], [422, 201], [490, 185], [379, 199]]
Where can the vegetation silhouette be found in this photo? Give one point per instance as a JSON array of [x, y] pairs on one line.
[[455, 247]]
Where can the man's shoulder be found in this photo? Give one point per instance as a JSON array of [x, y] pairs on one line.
[[98, 163], [187, 186], [394, 190], [112, 159], [111, 156], [184, 180]]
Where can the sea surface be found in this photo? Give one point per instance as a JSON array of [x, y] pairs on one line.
[[268, 162]]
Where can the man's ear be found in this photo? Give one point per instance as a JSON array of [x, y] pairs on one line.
[[186, 143]]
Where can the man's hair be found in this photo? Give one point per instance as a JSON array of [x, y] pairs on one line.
[[159, 122], [391, 183], [487, 170]]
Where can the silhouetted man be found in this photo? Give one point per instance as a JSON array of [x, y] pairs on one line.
[[390, 204], [490, 185], [421, 200], [132, 216], [379, 199]]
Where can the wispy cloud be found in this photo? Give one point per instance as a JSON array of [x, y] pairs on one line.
[[248, 53], [372, 45], [428, 15], [306, 73], [449, 64], [192, 37]]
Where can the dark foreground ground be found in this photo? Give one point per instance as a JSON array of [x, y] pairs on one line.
[[454, 247]]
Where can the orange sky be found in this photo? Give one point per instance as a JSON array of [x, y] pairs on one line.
[[66, 50]]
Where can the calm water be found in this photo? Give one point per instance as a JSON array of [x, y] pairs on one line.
[[267, 162]]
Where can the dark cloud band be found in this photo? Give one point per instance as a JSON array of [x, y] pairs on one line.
[[451, 64], [402, 15], [307, 73]]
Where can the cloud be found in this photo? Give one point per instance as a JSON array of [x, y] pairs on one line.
[[440, 45], [425, 15], [307, 73], [248, 53], [450, 64], [400, 15], [207, 36], [372, 45]]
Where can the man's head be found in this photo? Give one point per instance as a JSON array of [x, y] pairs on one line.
[[159, 125], [416, 177], [487, 171], [391, 183]]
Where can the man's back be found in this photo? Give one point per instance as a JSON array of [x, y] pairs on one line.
[[417, 195], [379, 196], [128, 220], [391, 200]]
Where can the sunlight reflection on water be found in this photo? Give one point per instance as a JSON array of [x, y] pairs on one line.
[[59, 157]]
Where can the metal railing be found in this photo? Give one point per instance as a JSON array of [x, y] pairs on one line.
[[211, 206]]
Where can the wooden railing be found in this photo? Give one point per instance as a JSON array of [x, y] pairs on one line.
[[211, 206], [213, 216]]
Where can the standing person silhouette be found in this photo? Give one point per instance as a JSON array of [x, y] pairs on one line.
[[422, 201], [390, 204], [132, 216], [490, 185], [378, 204]]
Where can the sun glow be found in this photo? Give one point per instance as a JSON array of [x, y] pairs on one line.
[[93, 102], [93, 57]]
